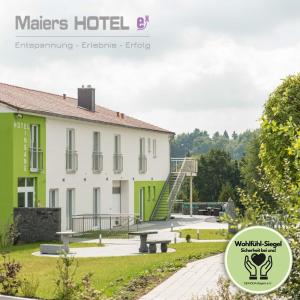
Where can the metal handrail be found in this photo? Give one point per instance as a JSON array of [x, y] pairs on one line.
[[166, 184], [190, 165], [181, 176], [104, 222]]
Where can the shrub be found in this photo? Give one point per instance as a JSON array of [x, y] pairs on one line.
[[86, 291], [9, 280], [226, 292], [8, 235], [66, 286], [29, 287], [188, 238]]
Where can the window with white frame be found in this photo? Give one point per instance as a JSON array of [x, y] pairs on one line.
[[53, 198], [118, 157], [142, 156], [97, 155], [96, 206], [70, 208], [35, 153], [149, 145], [26, 192], [154, 148], [71, 154]]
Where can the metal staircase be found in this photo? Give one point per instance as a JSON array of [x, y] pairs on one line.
[[180, 168]]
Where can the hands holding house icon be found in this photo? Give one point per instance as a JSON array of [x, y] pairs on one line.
[[258, 260]]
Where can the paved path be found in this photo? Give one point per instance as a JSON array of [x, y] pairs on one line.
[[193, 280], [128, 247]]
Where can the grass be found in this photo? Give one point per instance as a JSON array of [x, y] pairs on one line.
[[207, 234], [113, 275]]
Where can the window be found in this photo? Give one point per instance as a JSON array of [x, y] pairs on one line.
[[96, 205], [97, 155], [70, 207], [142, 157], [141, 204], [26, 192], [35, 152], [118, 157], [117, 145], [71, 154], [149, 145], [154, 193], [53, 198], [154, 148]]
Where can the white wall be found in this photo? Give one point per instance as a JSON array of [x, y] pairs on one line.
[[6, 109], [84, 180]]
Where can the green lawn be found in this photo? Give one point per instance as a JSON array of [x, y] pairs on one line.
[[206, 234], [114, 275]]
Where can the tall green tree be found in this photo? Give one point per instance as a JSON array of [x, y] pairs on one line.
[[215, 169], [279, 154], [280, 129], [251, 163]]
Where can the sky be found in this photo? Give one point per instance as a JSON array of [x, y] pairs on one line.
[[211, 65]]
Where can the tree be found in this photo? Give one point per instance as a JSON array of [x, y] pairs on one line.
[[279, 149], [251, 163], [234, 135], [226, 135], [215, 169], [280, 129], [199, 142], [227, 191]]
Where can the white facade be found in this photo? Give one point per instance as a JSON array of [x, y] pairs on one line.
[[5, 109], [84, 180]]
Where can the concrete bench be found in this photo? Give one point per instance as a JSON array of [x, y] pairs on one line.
[[163, 245], [52, 249]]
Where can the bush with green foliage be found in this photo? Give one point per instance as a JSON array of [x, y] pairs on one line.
[[225, 291], [188, 238], [280, 129], [29, 287], [66, 286], [280, 146], [8, 235]]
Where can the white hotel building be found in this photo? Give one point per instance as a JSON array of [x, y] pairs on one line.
[[67, 152]]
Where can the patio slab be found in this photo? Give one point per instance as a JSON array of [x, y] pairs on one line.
[[116, 247]]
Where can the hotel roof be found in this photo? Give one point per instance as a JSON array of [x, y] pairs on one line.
[[38, 102]]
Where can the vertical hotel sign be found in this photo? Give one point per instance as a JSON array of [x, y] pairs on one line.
[[25, 127]]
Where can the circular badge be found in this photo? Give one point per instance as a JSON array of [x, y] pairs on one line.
[[258, 259]]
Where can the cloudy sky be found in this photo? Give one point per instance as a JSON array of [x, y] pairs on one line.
[[212, 63]]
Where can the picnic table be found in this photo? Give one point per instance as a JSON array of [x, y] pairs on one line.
[[65, 238], [143, 237], [202, 212]]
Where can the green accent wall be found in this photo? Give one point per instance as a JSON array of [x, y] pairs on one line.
[[6, 167], [15, 159], [149, 198]]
